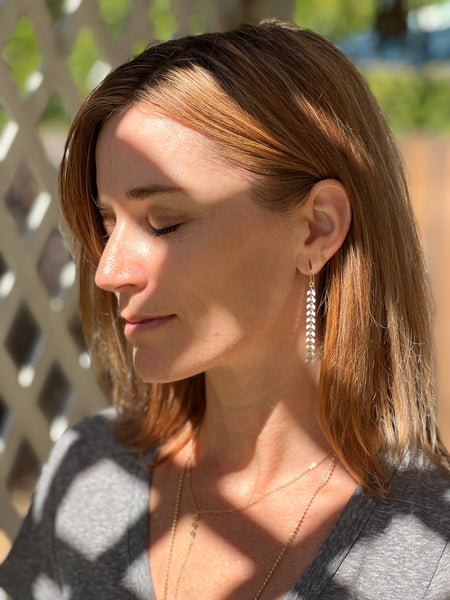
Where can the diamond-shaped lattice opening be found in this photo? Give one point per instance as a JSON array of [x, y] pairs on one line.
[[7, 279], [56, 268], [76, 331], [139, 46], [4, 120], [23, 343], [53, 127], [5, 545], [56, 9], [24, 56], [3, 412], [8, 131], [55, 394], [20, 197], [5, 422], [23, 477], [114, 14], [162, 19], [197, 20], [85, 64]]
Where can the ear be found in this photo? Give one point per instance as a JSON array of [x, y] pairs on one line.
[[326, 216]]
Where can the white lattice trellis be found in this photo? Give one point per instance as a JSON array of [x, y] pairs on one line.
[[45, 380]]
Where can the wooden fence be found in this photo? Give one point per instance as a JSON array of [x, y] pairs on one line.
[[428, 163]]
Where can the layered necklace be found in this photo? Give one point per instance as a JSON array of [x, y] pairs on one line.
[[186, 470]]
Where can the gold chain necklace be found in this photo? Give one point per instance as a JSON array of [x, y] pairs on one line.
[[219, 511], [175, 518], [325, 479]]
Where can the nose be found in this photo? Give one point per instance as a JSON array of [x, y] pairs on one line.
[[121, 264]]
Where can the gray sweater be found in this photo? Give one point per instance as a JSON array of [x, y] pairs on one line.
[[85, 536]]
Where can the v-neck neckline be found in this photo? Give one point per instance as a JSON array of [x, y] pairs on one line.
[[311, 583]]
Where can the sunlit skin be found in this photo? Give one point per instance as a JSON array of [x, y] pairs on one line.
[[219, 269], [209, 281]]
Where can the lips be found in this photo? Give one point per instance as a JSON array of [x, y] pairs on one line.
[[139, 319], [137, 325]]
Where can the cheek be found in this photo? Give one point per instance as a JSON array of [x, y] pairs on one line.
[[241, 285]]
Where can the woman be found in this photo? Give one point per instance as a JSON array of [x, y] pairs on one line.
[[254, 297]]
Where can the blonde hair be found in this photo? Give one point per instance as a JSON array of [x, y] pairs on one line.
[[287, 106]]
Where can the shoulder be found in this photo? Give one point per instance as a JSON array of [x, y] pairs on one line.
[[92, 441], [421, 492], [87, 459], [93, 432], [415, 517], [405, 542], [80, 527], [97, 488], [395, 547], [85, 444]]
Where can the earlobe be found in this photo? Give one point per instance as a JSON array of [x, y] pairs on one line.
[[327, 212]]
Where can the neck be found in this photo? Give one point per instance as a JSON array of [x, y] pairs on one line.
[[260, 425]]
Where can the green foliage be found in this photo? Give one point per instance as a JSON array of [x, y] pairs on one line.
[[22, 53], [413, 4], [3, 120], [139, 46], [55, 9], [114, 14], [413, 99], [55, 113], [163, 19], [83, 56], [335, 18], [198, 21]]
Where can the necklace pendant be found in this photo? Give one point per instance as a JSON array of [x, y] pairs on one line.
[[194, 525]]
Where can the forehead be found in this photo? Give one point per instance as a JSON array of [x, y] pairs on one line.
[[140, 124], [143, 143]]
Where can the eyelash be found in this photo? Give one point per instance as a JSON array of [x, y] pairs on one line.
[[164, 230], [161, 232]]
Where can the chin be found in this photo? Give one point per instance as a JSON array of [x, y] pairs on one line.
[[157, 369]]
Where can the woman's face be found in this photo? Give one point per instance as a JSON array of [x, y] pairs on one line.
[[204, 277]]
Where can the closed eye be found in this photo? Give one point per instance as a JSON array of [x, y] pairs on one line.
[[109, 221], [165, 230]]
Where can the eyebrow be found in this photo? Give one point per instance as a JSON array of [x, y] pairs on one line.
[[146, 191]]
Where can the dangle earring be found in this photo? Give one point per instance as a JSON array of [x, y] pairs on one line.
[[311, 321]]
